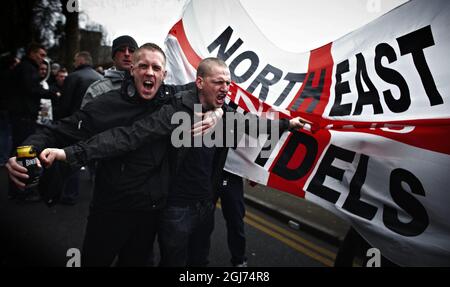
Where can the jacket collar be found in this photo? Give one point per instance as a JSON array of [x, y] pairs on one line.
[[128, 91], [190, 98], [115, 75], [83, 66]]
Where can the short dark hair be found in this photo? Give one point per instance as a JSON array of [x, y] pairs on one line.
[[204, 68], [33, 47], [86, 56], [149, 47], [62, 70]]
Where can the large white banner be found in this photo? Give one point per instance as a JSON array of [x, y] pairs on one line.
[[378, 152]]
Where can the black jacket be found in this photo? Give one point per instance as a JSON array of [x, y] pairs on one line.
[[134, 181], [155, 127], [75, 86], [6, 77], [25, 91]]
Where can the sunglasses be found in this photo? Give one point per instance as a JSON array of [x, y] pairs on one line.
[[124, 48]]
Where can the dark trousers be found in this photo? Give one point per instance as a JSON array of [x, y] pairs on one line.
[[184, 234], [128, 235], [231, 195], [59, 182], [71, 188]]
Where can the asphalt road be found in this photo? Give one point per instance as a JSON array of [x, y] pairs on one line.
[[33, 234]]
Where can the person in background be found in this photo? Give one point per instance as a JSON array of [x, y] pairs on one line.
[[77, 83], [57, 87], [231, 194], [75, 86], [122, 51], [26, 93], [54, 68], [45, 114], [44, 73], [25, 96]]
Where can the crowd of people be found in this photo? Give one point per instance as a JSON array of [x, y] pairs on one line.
[[119, 126]]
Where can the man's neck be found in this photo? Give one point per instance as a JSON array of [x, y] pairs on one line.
[[201, 99]]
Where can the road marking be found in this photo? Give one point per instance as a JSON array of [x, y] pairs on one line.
[[293, 236], [298, 247], [294, 241]]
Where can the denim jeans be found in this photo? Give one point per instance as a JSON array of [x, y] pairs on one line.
[[231, 195], [184, 234]]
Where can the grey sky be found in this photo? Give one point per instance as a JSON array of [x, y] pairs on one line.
[[296, 25]]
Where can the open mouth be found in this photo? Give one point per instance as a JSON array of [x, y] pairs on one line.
[[221, 98], [148, 85]]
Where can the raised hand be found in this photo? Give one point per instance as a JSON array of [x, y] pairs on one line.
[[298, 122], [208, 122]]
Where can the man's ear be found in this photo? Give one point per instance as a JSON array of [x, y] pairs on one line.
[[199, 83]]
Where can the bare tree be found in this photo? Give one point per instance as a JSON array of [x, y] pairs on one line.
[[47, 17], [54, 23]]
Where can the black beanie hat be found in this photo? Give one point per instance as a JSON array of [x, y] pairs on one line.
[[122, 41]]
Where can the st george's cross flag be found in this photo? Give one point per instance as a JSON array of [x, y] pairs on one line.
[[378, 151]]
